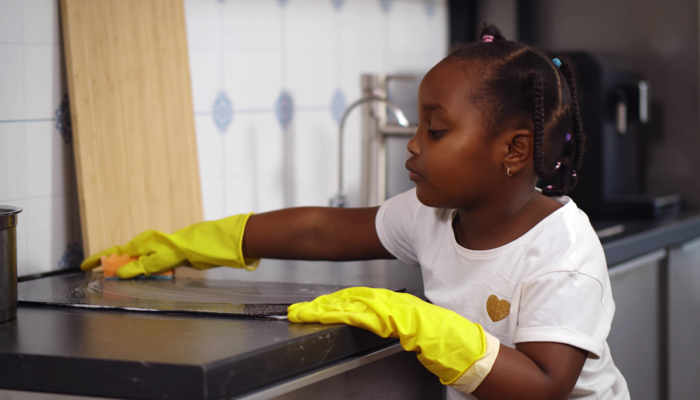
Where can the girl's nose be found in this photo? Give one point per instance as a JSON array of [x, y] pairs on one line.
[[412, 145]]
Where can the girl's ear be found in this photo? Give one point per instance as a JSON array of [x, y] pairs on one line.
[[520, 147]]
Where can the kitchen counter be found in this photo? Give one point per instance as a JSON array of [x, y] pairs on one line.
[[113, 353], [642, 236], [158, 356]]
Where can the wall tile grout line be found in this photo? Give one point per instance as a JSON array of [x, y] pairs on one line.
[[44, 196], [18, 121], [30, 44], [267, 110]]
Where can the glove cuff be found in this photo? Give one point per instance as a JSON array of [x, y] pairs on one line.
[[248, 263], [474, 375]]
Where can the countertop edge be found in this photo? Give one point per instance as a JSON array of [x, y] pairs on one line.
[[637, 244]]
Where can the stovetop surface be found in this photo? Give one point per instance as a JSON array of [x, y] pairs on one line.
[[178, 294]]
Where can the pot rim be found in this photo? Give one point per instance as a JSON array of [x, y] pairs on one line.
[[8, 216]]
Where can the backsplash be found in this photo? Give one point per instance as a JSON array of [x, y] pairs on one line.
[[270, 79]]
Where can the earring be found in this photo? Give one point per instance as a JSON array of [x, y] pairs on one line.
[[508, 172]]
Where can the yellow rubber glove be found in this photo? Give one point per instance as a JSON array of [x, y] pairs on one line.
[[201, 246], [446, 343]]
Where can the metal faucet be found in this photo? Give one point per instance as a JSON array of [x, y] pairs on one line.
[[374, 130], [340, 199]]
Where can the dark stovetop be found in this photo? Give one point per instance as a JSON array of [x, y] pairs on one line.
[[182, 294]]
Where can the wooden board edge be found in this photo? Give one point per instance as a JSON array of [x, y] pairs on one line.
[[74, 111], [190, 101]]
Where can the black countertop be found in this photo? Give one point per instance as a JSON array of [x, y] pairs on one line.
[[161, 356], [177, 356], [643, 236]]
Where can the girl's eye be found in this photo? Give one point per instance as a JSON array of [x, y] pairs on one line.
[[435, 133]]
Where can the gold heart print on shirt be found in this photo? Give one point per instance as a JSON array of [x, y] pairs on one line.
[[497, 309]]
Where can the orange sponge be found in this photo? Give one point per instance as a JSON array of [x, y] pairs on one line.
[[111, 264]]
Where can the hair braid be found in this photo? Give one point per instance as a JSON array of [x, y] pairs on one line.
[[538, 124], [579, 138]]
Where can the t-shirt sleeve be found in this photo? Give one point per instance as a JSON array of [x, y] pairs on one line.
[[394, 224], [564, 307]]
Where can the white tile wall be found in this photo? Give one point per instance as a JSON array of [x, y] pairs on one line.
[[41, 21], [240, 194], [43, 90], [13, 159], [203, 27], [11, 82], [46, 161], [249, 50], [312, 78], [311, 26], [212, 194], [37, 171], [10, 21], [253, 78], [205, 68], [240, 147], [48, 232], [209, 144], [253, 24], [361, 27]]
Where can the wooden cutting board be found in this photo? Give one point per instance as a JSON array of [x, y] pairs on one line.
[[132, 118]]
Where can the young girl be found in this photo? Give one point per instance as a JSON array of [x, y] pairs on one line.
[[521, 300]]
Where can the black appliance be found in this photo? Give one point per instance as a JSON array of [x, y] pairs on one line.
[[615, 106]]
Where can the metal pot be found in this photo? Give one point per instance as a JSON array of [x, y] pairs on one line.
[[8, 262]]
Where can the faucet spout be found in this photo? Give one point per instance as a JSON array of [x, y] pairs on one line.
[[340, 199]]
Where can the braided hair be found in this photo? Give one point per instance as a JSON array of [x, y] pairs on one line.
[[523, 87]]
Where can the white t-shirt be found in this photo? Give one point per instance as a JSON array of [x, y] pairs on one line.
[[549, 285]]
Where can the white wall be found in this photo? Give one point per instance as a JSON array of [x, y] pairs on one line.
[[244, 54]]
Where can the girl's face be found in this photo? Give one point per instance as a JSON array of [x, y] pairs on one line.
[[453, 162]]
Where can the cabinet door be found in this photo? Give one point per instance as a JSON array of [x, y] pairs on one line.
[[636, 333], [684, 321]]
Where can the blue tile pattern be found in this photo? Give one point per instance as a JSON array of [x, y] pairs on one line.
[[338, 4], [338, 105], [386, 6], [430, 7], [72, 257], [222, 111], [284, 109], [283, 2], [63, 123]]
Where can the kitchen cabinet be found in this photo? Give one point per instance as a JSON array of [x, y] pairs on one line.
[[637, 333], [684, 320]]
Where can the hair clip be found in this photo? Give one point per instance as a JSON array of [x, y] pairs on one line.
[[568, 137], [573, 172], [556, 62], [549, 187], [558, 165], [487, 38]]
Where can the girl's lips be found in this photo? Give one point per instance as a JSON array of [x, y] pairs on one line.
[[412, 174]]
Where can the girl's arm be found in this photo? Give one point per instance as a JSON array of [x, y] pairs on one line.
[[533, 370], [314, 233]]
